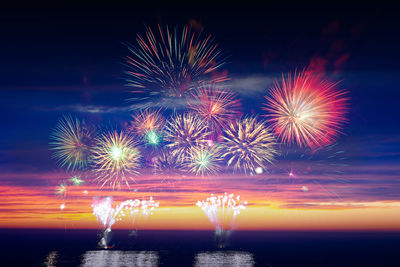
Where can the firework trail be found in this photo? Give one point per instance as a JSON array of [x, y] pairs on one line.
[[183, 133], [72, 143], [222, 210], [304, 165], [306, 109], [171, 62], [218, 107], [108, 216], [248, 145], [116, 159], [204, 160]]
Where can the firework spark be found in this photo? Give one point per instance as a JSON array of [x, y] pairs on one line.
[[171, 61], [183, 133], [61, 189], [76, 180], [204, 160], [248, 145], [116, 159], [217, 106], [222, 210], [306, 109], [72, 143]]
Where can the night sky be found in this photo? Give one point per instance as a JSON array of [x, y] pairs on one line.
[[58, 60]]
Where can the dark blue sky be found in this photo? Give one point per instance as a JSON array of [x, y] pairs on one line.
[[68, 59]]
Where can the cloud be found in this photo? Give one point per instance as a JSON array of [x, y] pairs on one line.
[[94, 109], [251, 85], [173, 103]]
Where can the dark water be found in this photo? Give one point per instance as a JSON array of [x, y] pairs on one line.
[[198, 248]]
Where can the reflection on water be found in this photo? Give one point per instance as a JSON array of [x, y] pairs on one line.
[[114, 258], [227, 258], [51, 259]]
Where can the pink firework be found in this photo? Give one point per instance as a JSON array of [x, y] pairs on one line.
[[306, 109], [217, 106]]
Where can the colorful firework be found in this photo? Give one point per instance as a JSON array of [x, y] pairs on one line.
[[183, 133], [116, 159], [306, 109], [248, 145], [170, 63], [108, 216], [222, 210], [72, 143], [204, 160], [217, 106], [147, 121], [153, 138]]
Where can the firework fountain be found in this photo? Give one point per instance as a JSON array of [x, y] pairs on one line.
[[222, 211], [108, 216]]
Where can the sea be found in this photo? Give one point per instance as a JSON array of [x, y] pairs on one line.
[[68, 247]]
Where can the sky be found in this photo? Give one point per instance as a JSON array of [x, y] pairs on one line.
[[58, 60]]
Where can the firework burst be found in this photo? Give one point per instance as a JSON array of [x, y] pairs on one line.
[[204, 160], [183, 133], [146, 121], [307, 110], [171, 62], [248, 144], [217, 106], [72, 143], [116, 159]]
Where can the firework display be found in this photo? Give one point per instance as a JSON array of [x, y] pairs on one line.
[[72, 141], [207, 136], [306, 109], [185, 132], [171, 62], [116, 159], [249, 144], [218, 107], [222, 210]]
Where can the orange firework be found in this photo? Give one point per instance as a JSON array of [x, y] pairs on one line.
[[306, 110], [147, 121], [217, 106]]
